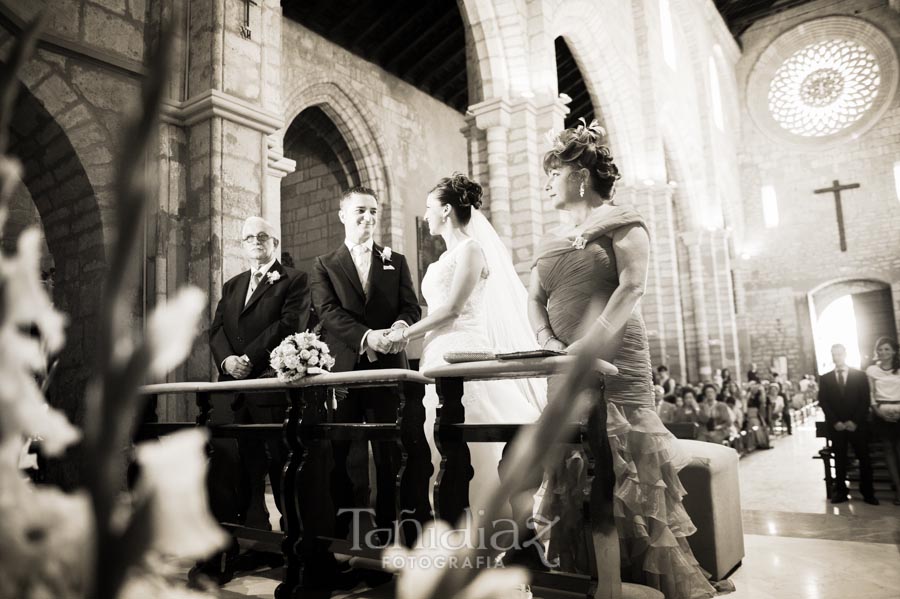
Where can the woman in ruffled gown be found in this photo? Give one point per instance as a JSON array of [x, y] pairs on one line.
[[604, 258]]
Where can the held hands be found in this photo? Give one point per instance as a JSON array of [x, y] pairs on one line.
[[387, 341], [848, 426], [396, 335], [238, 367]]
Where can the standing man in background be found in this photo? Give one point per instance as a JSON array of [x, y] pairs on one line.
[[844, 397], [259, 308]]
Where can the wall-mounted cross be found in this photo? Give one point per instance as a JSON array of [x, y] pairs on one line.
[[836, 188], [246, 32]]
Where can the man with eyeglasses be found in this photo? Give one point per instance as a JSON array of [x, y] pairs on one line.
[[258, 309]]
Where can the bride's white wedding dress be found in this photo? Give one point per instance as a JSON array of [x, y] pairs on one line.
[[485, 402]]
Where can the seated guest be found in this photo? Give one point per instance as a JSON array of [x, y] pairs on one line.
[[756, 425], [716, 417], [667, 409], [781, 407], [687, 410], [844, 397], [666, 381], [735, 408], [752, 375]]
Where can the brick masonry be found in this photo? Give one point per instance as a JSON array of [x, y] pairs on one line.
[[346, 121], [785, 264]]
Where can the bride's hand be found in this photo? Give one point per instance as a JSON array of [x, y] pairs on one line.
[[555, 344], [395, 336]]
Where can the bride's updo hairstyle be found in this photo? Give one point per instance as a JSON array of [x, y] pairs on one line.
[[461, 193], [582, 147]]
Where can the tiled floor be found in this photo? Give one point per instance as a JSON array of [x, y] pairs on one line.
[[798, 546]]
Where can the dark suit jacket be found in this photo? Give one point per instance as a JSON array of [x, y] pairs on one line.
[[851, 404], [275, 310], [346, 312]]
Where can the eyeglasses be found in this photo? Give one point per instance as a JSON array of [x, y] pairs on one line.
[[260, 237]]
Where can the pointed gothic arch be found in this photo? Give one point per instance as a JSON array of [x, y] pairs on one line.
[[356, 127]]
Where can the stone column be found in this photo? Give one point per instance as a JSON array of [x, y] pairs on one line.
[[222, 166], [493, 117], [730, 299], [693, 241], [551, 114], [661, 306]]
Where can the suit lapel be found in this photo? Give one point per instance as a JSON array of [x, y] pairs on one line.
[[264, 285], [346, 262]]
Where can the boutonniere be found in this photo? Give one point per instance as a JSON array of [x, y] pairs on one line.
[[273, 276], [385, 255], [579, 243]]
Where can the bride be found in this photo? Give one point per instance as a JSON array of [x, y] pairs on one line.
[[475, 302]]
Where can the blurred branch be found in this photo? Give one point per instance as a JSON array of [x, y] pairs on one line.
[[121, 368], [21, 52], [544, 443]]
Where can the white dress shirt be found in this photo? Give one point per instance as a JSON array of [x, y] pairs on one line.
[[363, 263], [262, 269]]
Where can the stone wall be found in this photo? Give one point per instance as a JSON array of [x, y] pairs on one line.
[[387, 124], [782, 265]]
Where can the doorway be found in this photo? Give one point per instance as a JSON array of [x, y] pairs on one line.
[[853, 313]]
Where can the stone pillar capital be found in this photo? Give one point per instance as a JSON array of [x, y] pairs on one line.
[[277, 164], [558, 106], [491, 113]]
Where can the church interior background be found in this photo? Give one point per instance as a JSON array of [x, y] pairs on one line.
[[759, 138]]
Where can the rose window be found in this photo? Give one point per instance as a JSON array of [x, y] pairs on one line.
[[824, 88]]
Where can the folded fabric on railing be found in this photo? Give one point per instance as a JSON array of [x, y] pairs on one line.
[[535, 353], [455, 357]]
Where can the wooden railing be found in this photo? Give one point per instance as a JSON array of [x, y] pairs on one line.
[[308, 429]]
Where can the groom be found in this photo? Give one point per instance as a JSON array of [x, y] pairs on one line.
[[360, 291]]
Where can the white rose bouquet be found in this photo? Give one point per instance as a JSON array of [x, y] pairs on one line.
[[298, 355]]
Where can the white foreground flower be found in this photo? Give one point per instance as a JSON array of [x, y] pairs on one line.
[[173, 476], [171, 329]]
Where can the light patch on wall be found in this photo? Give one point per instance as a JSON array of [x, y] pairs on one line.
[[668, 34], [897, 179], [837, 324], [769, 206], [715, 93]]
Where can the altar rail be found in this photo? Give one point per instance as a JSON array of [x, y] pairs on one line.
[[308, 429]]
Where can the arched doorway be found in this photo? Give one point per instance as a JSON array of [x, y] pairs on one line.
[[853, 312], [57, 196], [310, 195]]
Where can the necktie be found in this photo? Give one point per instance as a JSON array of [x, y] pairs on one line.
[[254, 283], [840, 379], [362, 261]]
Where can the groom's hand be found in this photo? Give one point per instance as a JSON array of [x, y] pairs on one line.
[[398, 342], [378, 341]]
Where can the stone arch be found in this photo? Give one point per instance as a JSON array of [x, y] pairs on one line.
[[324, 170], [353, 122], [677, 169], [67, 204], [488, 72], [613, 93]]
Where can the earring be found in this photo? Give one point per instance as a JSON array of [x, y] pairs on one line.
[[443, 219], [581, 189]]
